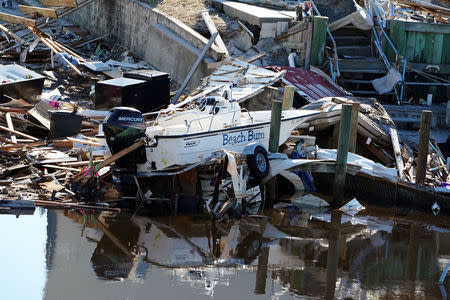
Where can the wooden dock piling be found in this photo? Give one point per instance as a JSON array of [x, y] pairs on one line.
[[274, 139], [275, 123], [354, 128], [288, 98], [342, 154], [424, 138]]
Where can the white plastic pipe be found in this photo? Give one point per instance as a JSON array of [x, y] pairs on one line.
[[291, 59]]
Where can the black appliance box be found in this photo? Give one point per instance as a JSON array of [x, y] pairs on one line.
[[142, 91]]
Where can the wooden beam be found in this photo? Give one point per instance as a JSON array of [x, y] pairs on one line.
[[342, 154], [194, 67], [10, 126], [38, 11], [18, 133], [212, 29], [288, 97], [113, 158], [354, 128], [59, 3], [255, 57], [12, 34], [13, 19], [424, 138], [397, 153]]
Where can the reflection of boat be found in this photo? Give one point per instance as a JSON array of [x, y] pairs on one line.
[[372, 256], [179, 137]]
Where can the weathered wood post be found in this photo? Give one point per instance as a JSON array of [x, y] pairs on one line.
[[354, 128], [274, 139], [275, 123], [425, 127], [342, 153], [261, 271], [288, 97]]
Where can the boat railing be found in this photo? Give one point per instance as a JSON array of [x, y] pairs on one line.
[[248, 112], [212, 116]]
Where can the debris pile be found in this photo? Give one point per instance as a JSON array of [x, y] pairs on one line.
[[52, 145]]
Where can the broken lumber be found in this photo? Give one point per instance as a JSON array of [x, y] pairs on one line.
[[59, 3], [255, 57], [60, 168], [121, 153], [38, 11], [114, 157], [13, 19], [424, 137], [397, 153], [11, 127], [18, 133], [84, 142], [194, 67], [212, 29], [12, 34]]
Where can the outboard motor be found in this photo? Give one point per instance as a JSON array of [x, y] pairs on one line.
[[124, 126]]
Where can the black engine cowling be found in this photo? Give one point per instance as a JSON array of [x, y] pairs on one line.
[[124, 126]]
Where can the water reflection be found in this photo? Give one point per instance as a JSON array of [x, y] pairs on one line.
[[285, 254]]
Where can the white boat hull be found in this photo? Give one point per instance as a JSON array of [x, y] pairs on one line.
[[173, 151]]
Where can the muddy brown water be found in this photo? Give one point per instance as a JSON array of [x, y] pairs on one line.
[[289, 253]]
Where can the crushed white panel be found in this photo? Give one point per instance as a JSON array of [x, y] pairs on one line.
[[246, 80], [367, 166]]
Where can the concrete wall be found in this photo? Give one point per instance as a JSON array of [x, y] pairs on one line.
[[164, 42]]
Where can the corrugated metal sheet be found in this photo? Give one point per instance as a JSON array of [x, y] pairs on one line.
[[310, 84]]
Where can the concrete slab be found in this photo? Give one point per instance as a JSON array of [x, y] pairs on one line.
[[256, 15]]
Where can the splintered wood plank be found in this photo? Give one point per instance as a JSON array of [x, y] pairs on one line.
[[13, 19], [9, 122], [12, 34], [59, 3], [39, 11], [410, 45]]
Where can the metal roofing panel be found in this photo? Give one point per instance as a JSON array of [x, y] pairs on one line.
[[311, 85]]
